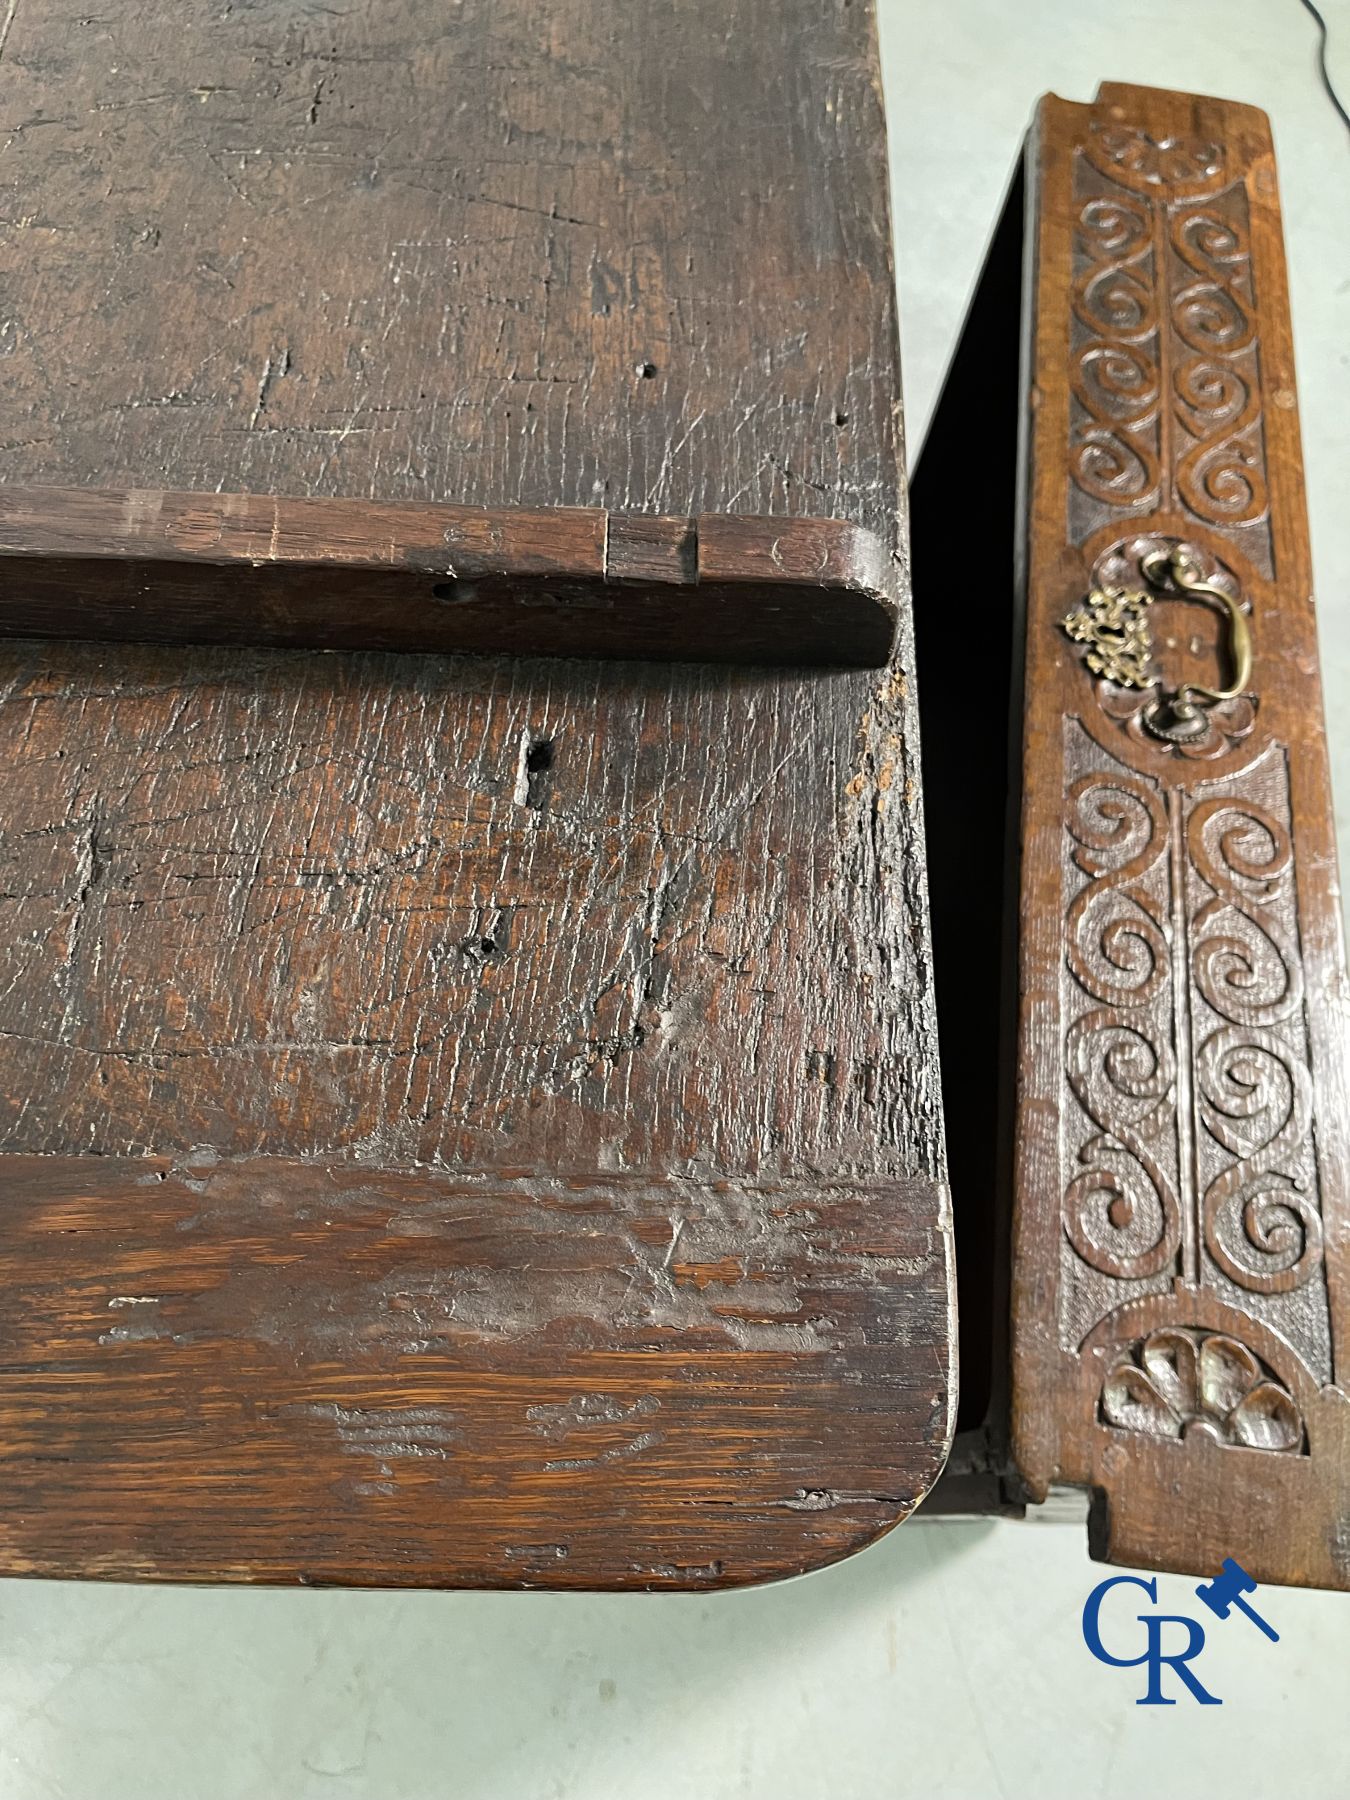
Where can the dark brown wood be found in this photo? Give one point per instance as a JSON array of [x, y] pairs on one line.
[[1181, 1295], [145, 566], [230, 1365], [467, 1120]]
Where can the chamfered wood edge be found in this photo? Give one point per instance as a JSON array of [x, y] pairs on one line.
[[1287, 1519], [158, 1289], [141, 565]]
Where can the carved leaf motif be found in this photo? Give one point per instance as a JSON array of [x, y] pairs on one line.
[[1131, 1401], [1228, 1370], [1171, 1362], [1177, 1382], [1267, 1419]]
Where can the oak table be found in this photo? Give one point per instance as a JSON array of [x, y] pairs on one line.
[[466, 1120]]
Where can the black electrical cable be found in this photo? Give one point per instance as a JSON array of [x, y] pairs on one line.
[[1327, 82]]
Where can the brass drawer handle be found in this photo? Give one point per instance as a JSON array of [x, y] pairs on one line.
[[1113, 623], [1180, 566]]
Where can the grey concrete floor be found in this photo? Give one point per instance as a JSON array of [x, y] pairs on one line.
[[947, 1660]]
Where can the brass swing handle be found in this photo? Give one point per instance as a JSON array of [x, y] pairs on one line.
[[1178, 564], [1113, 623]]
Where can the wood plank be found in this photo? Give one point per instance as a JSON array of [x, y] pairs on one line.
[[546, 1044], [287, 1372], [144, 566], [1181, 1303]]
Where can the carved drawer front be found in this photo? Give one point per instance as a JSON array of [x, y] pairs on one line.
[[1181, 1303]]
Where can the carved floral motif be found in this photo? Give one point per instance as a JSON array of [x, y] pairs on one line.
[[1226, 724], [1183, 1383]]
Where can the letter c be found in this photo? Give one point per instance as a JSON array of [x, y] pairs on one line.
[[1092, 1611]]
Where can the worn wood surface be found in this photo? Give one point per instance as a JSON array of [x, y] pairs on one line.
[[1181, 1293], [145, 566], [467, 1120]]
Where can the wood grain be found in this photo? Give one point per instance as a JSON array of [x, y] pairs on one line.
[[515, 1076], [1181, 1292], [271, 1370], [144, 566]]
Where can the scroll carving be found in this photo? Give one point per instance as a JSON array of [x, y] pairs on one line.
[[1189, 1156], [1220, 478], [1180, 1318], [1116, 378], [1188, 1140], [1121, 1212], [1260, 1219], [1164, 363]]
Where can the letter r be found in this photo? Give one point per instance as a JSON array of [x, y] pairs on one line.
[[1195, 1643]]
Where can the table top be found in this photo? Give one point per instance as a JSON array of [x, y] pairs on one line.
[[467, 1121]]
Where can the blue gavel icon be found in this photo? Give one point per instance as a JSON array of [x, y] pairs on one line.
[[1225, 1592]]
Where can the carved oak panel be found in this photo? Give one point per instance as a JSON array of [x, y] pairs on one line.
[[1180, 1277]]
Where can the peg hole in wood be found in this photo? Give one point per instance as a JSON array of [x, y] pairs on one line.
[[534, 773], [478, 951]]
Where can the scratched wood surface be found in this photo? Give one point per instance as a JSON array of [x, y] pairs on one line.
[[1181, 1247], [146, 566], [466, 1121]]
